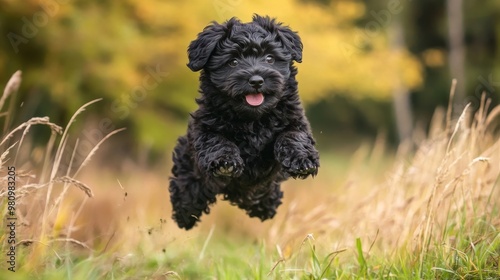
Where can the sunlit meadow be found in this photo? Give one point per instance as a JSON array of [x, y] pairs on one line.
[[428, 210]]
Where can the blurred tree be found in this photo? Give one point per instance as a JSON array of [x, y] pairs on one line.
[[425, 28], [456, 46], [401, 94]]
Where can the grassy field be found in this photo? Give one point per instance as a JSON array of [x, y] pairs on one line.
[[426, 211]]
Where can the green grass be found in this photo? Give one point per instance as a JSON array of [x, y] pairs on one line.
[[239, 259]]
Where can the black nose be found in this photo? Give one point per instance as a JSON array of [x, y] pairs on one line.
[[256, 81]]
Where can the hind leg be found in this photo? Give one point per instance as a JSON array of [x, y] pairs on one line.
[[261, 203], [189, 196], [189, 200], [267, 204]]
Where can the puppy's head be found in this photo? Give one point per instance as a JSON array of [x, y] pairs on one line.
[[249, 63]]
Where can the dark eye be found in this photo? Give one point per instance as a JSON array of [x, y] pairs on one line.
[[270, 59], [233, 62]]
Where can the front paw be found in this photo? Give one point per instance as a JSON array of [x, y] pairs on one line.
[[300, 163], [297, 155], [227, 167], [302, 167]]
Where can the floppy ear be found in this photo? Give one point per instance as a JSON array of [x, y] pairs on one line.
[[199, 50], [291, 40], [288, 38]]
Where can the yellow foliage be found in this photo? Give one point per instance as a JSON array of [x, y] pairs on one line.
[[434, 57]]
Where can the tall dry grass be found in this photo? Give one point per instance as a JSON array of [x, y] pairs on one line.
[[41, 190], [444, 193]]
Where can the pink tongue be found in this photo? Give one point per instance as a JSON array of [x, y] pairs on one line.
[[254, 99]]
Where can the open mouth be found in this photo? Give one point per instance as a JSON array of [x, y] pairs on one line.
[[254, 99]]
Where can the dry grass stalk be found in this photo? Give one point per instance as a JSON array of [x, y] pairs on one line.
[[70, 166], [29, 123], [29, 188], [96, 147], [28, 242], [25, 190], [47, 158], [76, 183], [458, 125], [449, 112], [72, 241], [63, 141], [493, 116], [11, 87], [5, 154]]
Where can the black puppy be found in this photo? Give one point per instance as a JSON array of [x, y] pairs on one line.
[[249, 133]]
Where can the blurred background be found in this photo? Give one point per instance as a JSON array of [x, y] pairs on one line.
[[372, 76], [369, 67]]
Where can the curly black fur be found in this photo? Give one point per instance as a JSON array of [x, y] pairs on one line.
[[233, 148]]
